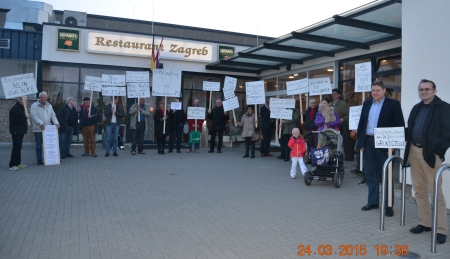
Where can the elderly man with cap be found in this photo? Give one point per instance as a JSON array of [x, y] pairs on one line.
[[87, 124]]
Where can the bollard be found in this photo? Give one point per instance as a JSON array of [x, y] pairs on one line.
[[437, 177]]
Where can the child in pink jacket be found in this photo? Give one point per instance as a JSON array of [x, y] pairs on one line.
[[298, 149]]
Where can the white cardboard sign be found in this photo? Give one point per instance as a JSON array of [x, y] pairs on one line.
[[211, 86], [175, 106], [282, 103], [390, 137], [318, 86], [114, 91], [138, 90], [196, 113], [230, 82], [230, 104], [19, 85], [93, 83], [114, 80], [297, 87], [255, 92], [363, 77], [166, 83], [50, 142], [285, 114], [137, 76], [353, 118]]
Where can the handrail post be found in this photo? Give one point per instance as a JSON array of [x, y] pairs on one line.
[[399, 160], [402, 209], [434, 219]]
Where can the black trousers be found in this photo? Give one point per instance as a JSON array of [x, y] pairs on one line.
[[265, 142], [161, 142], [17, 140], [249, 143], [138, 137], [175, 133], [212, 143], [285, 150]]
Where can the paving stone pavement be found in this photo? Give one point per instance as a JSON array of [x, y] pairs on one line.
[[188, 205]]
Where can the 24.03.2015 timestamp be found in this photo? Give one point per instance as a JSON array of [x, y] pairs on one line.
[[352, 250]]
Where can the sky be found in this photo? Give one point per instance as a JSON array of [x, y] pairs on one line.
[[263, 18]]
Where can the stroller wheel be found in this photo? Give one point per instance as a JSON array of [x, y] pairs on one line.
[[308, 178], [337, 179]]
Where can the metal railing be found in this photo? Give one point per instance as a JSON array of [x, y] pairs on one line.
[[434, 219]]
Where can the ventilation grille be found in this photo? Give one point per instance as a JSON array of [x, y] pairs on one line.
[[4, 43]]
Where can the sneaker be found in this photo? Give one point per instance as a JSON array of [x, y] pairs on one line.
[[14, 168], [115, 154], [22, 166], [363, 181], [133, 152]]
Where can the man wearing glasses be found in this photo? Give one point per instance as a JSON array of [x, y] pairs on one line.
[[427, 140]]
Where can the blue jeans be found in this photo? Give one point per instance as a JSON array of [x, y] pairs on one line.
[[112, 128], [65, 140], [196, 145], [38, 137]]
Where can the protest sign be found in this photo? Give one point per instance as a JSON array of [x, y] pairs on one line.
[[230, 104], [230, 82], [137, 77], [92, 83], [363, 77], [282, 103], [166, 83], [353, 118], [211, 86], [196, 113], [285, 114], [50, 141], [113, 80], [19, 85], [319, 86], [297, 87], [138, 90], [390, 137], [255, 92], [114, 91], [175, 106]]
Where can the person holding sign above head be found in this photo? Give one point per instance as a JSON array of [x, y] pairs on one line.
[[267, 125], [159, 118], [177, 120], [68, 119], [41, 113], [114, 117], [88, 121], [194, 127], [139, 113], [18, 128], [427, 140], [219, 118], [248, 128], [377, 112]]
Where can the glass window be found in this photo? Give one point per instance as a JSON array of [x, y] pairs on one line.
[[270, 85], [15, 67], [388, 63], [60, 74]]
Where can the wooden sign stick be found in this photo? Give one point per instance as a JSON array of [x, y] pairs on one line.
[[301, 109], [234, 116], [195, 125], [139, 113], [25, 103], [210, 97], [276, 128], [281, 126], [90, 102], [165, 112], [361, 155], [256, 116]]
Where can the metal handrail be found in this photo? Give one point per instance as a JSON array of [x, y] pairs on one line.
[[437, 177], [398, 160]]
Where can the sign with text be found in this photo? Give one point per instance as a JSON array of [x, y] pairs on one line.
[[50, 142], [318, 86], [285, 114], [166, 82], [363, 77], [230, 104], [211, 86], [229, 86], [282, 103], [114, 80], [390, 137], [225, 52], [297, 87], [114, 91], [175, 106], [138, 90], [255, 92], [68, 40], [196, 113], [93, 83], [19, 85], [137, 76], [353, 118]]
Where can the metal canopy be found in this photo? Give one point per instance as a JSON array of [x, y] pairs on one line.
[[376, 22]]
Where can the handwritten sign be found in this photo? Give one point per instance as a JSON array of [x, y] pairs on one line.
[[114, 80], [230, 104], [92, 83], [211, 86], [285, 114], [318, 86], [114, 91], [228, 93], [363, 77], [353, 118], [50, 141], [166, 83], [230, 82], [137, 76], [390, 137], [19, 85], [255, 92], [196, 113], [138, 90], [175, 106], [297, 87], [282, 103]]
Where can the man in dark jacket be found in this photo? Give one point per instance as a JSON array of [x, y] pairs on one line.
[[218, 118], [68, 120], [427, 140], [87, 124], [267, 126], [114, 117], [176, 127], [18, 128]]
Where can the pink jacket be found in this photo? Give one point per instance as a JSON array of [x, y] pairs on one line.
[[298, 147]]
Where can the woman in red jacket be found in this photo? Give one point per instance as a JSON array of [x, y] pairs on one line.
[[298, 149]]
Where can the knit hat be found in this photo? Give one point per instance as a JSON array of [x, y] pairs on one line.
[[295, 131]]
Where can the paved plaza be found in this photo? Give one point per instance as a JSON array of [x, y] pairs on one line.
[[189, 205]]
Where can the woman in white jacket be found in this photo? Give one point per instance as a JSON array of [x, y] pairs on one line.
[[248, 128]]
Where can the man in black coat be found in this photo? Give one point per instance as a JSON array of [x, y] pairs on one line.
[[427, 140], [267, 126], [218, 118], [18, 128], [177, 120], [68, 120]]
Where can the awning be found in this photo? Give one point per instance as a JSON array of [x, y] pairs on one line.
[[373, 23]]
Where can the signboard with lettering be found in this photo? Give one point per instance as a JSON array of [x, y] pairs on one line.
[[318, 86], [229, 87], [282, 103], [137, 77], [211, 86], [363, 77], [50, 142], [166, 82], [92, 83], [175, 106], [225, 52], [255, 92], [230, 104], [114, 80], [196, 113], [114, 91], [138, 90], [390, 137], [285, 114], [353, 118], [19, 85], [68, 40], [297, 87]]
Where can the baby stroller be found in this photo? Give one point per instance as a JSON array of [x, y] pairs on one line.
[[327, 159]]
